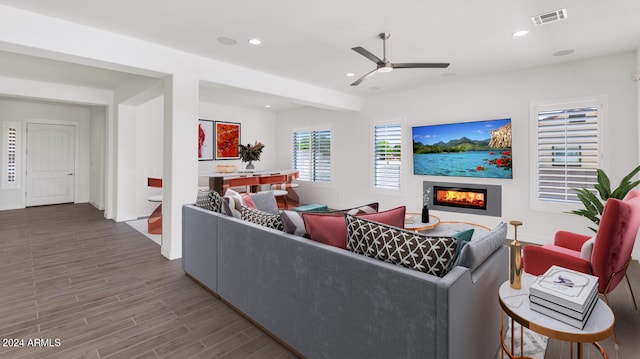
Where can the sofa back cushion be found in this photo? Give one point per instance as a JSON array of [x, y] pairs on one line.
[[331, 228], [480, 248], [431, 255]]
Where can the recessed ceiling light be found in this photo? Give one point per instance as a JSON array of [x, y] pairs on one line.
[[520, 33], [227, 40], [267, 106], [350, 74], [563, 52], [255, 41]]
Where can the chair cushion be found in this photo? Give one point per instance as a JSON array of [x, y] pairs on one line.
[[587, 248], [410, 249], [480, 248]]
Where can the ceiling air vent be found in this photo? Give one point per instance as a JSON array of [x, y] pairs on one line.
[[552, 16]]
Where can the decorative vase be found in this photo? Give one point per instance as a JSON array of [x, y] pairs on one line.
[[515, 259], [250, 166], [425, 214]]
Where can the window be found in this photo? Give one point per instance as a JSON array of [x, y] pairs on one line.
[[312, 155], [568, 146], [10, 178], [387, 156]]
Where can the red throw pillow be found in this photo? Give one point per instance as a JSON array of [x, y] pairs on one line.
[[393, 217], [248, 201], [331, 228]]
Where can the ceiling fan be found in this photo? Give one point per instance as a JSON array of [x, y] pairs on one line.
[[385, 65]]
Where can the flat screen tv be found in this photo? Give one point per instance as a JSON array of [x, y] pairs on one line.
[[465, 149]]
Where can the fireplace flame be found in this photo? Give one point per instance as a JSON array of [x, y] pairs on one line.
[[471, 199]]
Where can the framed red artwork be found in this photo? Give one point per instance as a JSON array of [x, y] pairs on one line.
[[205, 140], [227, 140]]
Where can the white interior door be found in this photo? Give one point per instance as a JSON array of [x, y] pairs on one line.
[[50, 163]]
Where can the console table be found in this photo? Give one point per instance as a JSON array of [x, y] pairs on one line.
[[515, 304], [286, 196]]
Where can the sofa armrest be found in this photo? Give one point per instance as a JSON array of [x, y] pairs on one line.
[[570, 240], [538, 259]]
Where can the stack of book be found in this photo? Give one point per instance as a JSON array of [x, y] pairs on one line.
[[565, 295]]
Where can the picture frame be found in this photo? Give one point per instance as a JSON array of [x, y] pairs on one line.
[[206, 137], [227, 140]]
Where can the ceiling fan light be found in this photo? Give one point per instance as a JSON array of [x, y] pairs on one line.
[[385, 69]]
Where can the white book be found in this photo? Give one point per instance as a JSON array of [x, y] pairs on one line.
[[564, 310], [563, 317], [565, 287]]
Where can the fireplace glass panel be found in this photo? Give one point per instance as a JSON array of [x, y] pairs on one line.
[[460, 197]]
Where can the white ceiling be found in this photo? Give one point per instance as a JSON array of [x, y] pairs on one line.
[[311, 41]]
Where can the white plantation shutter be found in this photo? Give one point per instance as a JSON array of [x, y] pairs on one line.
[[568, 150], [312, 155], [387, 156]]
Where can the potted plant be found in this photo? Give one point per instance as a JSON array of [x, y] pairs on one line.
[[593, 206], [250, 153]]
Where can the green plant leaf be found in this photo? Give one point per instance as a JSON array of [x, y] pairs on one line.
[[590, 201], [594, 206], [621, 192], [604, 185]]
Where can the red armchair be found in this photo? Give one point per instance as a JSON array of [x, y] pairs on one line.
[[611, 252]]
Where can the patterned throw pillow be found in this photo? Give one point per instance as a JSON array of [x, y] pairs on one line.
[[262, 218], [367, 208], [293, 223], [210, 200], [232, 203], [431, 255]]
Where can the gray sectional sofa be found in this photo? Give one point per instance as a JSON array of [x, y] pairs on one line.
[[326, 302]]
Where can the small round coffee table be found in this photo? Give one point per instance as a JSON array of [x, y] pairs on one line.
[[515, 304], [418, 225]]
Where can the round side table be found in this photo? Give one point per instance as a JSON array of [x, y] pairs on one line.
[[515, 304], [418, 225]]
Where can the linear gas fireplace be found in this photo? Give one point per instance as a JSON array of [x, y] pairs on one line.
[[460, 197], [464, 197]]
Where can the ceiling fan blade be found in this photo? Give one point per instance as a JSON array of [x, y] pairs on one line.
[[358, 81], [367, 54], [414, 65]]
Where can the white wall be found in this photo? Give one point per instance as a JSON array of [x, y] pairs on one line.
[[21, 110], [502, 96], [97, 163], [149, 134], [256, 125], [140, 147]]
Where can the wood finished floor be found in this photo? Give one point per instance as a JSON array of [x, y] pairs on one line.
[[104, 291]]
